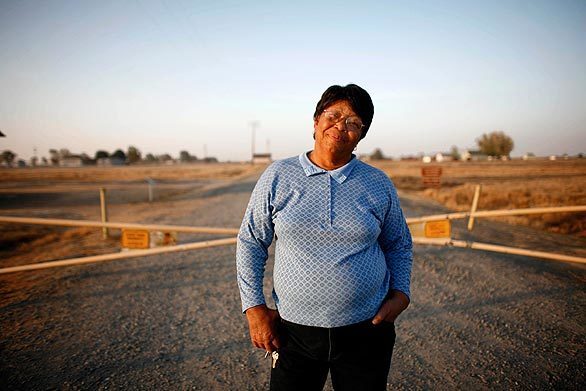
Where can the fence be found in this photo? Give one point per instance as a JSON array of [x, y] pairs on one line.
[[231, 231]]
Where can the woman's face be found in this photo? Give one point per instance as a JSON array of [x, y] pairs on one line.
[[338, 136]]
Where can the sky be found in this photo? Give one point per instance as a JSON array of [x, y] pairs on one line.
[[167, 76]]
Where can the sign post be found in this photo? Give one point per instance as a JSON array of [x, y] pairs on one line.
[[104, 210], [151, 184], [474, 207]]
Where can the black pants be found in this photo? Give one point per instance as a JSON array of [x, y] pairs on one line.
[[358, 357]]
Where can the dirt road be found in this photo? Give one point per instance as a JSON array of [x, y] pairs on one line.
[[477, 320]]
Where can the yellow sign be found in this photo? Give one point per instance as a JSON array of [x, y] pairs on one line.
[[431, 229], [437, 229], [135, 238]]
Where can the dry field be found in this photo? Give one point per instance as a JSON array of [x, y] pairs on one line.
[[72, 193], [178, 172], [505, 185]]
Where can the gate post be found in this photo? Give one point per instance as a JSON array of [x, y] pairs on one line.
[[104, 209]]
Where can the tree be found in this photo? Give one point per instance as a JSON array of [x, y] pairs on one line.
[[54, 156], [185, 157], [34, 161], [8, 157], [86, 160], [495, 144], [150, 157], [164, 157], [454, 153], [58, 155], [377, 154], [101, 154], [119, 154], [64, 152], [133, 154]]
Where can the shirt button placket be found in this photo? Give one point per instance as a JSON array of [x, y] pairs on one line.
[[329, 202]]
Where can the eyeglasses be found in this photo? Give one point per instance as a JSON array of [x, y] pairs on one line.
[[353, 123]]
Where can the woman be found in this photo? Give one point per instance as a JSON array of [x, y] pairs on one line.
[[342, 259]]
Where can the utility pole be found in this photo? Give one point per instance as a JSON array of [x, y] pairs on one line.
[[254, 125]]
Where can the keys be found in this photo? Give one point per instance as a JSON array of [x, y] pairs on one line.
[[275, 357]]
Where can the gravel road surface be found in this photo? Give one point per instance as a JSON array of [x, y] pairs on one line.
[[478, 320]]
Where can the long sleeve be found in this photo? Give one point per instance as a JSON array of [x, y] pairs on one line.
[[395, 241], [255, 237]]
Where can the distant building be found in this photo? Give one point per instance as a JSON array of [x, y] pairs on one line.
[[438, 157], [443, 157], [261, 158], [473, 155], [71, 161], [110, 161]]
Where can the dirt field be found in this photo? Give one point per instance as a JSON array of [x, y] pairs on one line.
[[505, 185], [73, 193], [477, 320]]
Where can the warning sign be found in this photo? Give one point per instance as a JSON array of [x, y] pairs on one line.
[[431, 176], [437, 229], [135, 238], [431, 229]]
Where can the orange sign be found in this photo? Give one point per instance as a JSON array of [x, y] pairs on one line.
[[438, 229], [135, 238]]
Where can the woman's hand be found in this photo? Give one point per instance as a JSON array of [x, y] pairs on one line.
[[263, 324], [391, 307]]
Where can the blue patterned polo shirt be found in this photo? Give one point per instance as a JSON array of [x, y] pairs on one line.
[[341, 242]]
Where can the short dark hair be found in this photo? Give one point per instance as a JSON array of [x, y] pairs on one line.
[[356, 96]]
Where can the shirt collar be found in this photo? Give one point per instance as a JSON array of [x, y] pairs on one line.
[[339, 174]]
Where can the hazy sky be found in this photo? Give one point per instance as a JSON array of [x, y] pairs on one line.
[[172, 75]]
